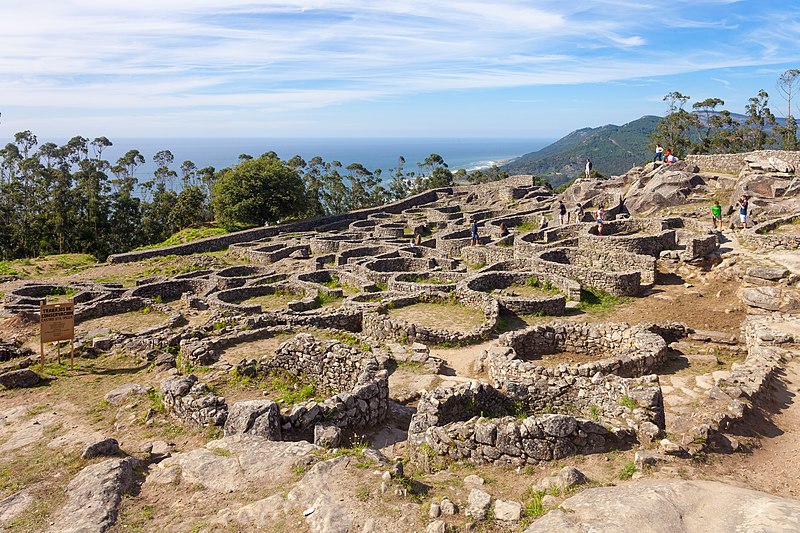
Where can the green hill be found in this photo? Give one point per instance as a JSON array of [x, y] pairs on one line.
[[613, 150]]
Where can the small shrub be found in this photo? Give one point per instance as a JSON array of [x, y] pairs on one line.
[[627, 471], [362, 493]]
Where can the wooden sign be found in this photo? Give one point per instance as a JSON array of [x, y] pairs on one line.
[[57, 323]]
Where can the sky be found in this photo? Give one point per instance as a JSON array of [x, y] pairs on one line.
[[382, 68]]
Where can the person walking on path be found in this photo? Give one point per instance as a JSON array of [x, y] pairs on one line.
[[475, 238], [742, 204], [716, 215], [659, 153], [562, 211], [588, 169]]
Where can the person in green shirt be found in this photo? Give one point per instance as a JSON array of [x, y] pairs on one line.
[[716, 214]]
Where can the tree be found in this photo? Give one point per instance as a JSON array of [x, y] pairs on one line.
[[708, 108], [674, 130], [788, 85], [258, 191], [189, 209], [759, 119]]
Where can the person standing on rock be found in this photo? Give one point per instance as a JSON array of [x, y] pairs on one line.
[[578, 212], [588, 169], [601, 215], [475, 238], [659, 153], [742, 204], [562, 212], [716, 215]]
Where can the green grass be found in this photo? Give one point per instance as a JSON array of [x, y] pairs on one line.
[[47, 265], [326, 298], [627, 401], [627, 471], [526, 227], [348, 339], [599, 302], [188, 235], [289, 389]]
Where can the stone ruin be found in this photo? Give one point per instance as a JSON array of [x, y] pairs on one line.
[[352, 269]]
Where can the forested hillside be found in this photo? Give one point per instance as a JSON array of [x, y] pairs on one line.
[[612, 149]]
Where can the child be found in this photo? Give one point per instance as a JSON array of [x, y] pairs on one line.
[[716, 215], [601, 215]]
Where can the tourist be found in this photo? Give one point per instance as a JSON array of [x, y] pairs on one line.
[[562, 211], [588, 169], [475, 238], [601, 215], [543, 221], [716, 215], [578, 212], [659, 153], [503, 230], [417, 238], [742, 205]]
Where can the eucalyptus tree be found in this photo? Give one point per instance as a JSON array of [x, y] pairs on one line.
[[675, 129], [788, 85], [759, 120]]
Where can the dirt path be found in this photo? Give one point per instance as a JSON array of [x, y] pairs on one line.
[[774, 437]]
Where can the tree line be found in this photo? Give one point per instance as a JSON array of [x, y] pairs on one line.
[[710, 129], [66, 199]]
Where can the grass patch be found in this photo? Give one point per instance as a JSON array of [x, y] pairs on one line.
[[627, 401], [188, 235], [289, 389], [526, 227], [46, 266], [627, 471], [597, 301]]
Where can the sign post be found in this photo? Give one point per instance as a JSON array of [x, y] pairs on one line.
[[57, 323]]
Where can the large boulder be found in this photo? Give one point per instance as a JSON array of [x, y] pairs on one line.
[[20, 379], [665, 187], [261, 418], [93, 497], [680, 507]]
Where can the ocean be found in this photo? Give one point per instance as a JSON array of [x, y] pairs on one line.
[[373, 153]]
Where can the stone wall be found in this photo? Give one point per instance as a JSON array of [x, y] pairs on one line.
[[192, 401], [427, 282], [732, 163], [591, 269], [620, 349], [764, 238], [546, 304], [361, 388], [378, 324], [211, 244]]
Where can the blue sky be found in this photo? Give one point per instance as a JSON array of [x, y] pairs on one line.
[[396, 68]]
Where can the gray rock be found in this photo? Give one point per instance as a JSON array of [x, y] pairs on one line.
[[438, 526], [93, 497], [768, 298], [472, 479], [768, 273], [327, 435], [435, 510], [233, 464], [680, 507], [549, 501], [507, 511], [106, 447], [261, 418], [478, 504], [559, 425], [121, 393], [569, 477], [317, 490], [20, 379], [448, 507], [157, 450], [103, 344], [263, 513], [14, 505]]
